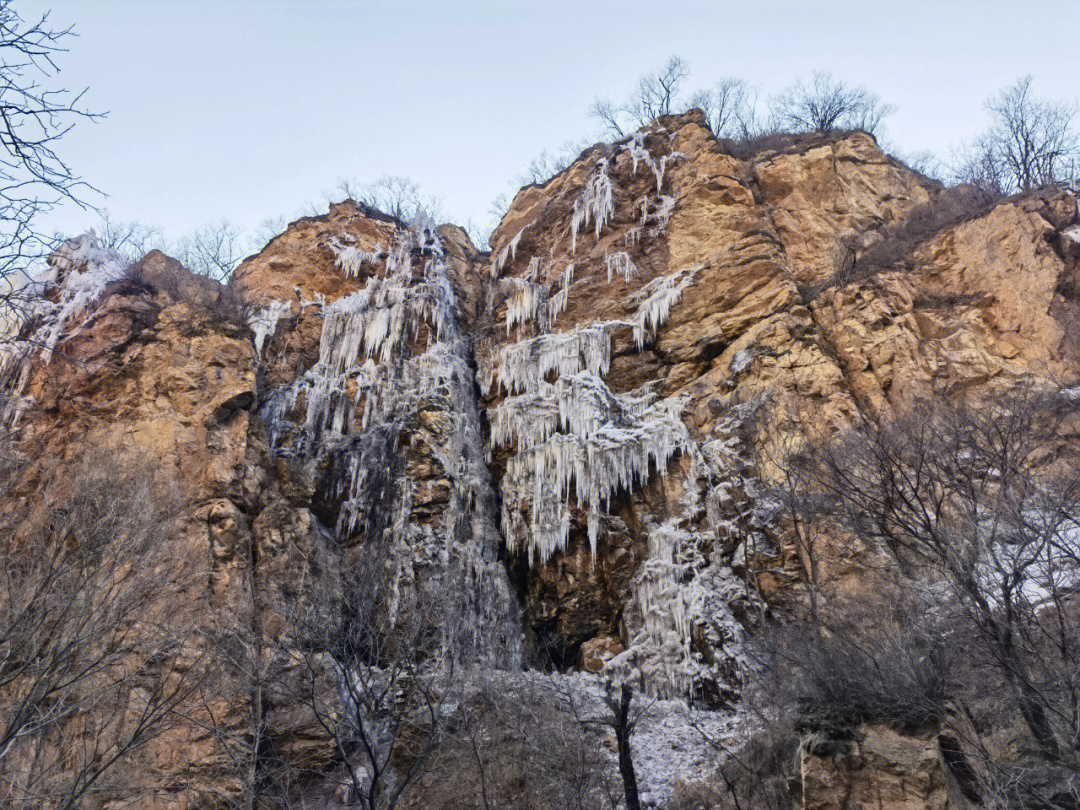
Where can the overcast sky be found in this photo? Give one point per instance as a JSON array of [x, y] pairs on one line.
[[249, 108]]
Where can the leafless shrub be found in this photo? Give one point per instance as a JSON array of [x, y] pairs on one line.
[[825, 104], [978, 503], [527, 741], [166, 275], [90, 670], [131, 240], [947, 208], [397, 197], [768, 141]]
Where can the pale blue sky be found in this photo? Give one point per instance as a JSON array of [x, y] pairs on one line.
[[248, 109]]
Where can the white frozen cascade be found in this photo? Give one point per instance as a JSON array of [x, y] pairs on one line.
[[621, 264], [639, 153], [386, 352], [79, 271], [577, 445]]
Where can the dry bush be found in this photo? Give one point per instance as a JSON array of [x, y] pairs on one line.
[[774, 142], [90, 670], [976, 507], [169, 277], [522, 742], [949, 207]]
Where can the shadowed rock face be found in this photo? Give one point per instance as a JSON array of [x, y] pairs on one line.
[[716, 283]]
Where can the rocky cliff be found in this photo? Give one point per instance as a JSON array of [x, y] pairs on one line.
[[559, 432]]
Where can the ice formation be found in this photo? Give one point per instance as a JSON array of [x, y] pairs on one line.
[[79, 271], [386, 352], [526, 302], [508, 253], [639, 153], [264, 321], [519, 367], [596, 203], [656, 300], [620, 263], [576, 439], [352, 259], [684, 590]]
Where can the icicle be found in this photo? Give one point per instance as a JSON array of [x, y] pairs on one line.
[[620, 263], [519, 367], [659, 296], [351, 260], [508, 253], [532, 272], [596, 203], [263, 322], [525, 302], [663, 214]]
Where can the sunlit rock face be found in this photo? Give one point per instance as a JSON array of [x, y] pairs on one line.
[[560, 431]]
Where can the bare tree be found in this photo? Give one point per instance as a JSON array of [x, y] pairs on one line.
[[730, 107], [825, 104], [657, 94], [395, 196], [1030, 144], [34, 118], [90, 671], [609, 115], [984, 499], [375, 677], [213, 250], [131, 240]]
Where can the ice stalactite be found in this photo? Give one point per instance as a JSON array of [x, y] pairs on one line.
[[263, 322], [596, 204], [639, 153], [519, 367], [558, 302], [526, 302], [352, 259], [39, 312], [576, 440], [621, 264], [656, 300], [507, 253]]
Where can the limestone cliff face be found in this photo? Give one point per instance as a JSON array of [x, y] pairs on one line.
[[557, 428]]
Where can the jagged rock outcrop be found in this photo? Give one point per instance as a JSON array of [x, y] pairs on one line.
[[557, 428]]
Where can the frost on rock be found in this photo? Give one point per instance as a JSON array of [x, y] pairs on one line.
[[263, 322], [79, 271], [620, 263], [656, 300], [387, 353], [596, 204]]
